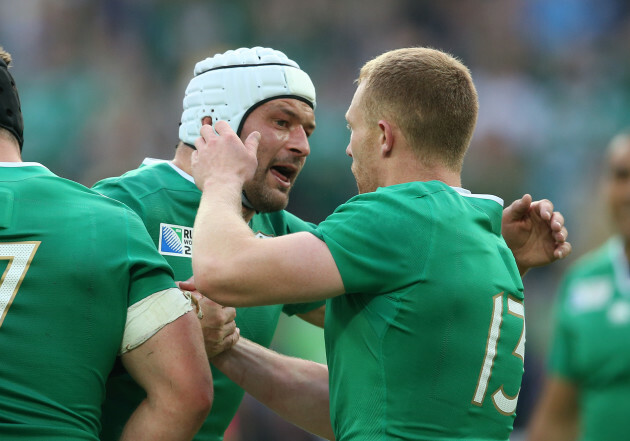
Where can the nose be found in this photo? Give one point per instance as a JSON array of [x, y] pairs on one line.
[[298, 142], [349, 151]]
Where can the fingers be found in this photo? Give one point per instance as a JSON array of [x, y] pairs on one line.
[[562, 250], [217, 335], [208, 133], [558, 230], [557, 222], [560, 236], [216, 315], [219, 340], [544, 209], [218, 325], [231, 339], [224, 313], [222, 128], [519, 207]]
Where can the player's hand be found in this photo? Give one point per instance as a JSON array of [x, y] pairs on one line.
[[217, 322], [222, 158], [219, 328], [535, 233]]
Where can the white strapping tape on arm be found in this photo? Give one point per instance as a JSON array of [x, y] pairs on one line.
[[146, 317]]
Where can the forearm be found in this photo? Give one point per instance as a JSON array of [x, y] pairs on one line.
[[220, 234], [294, 388], [234, 268], [218, 225]]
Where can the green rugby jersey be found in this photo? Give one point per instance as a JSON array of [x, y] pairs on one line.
[[412, 347], [166, 198], [71, 263], [591, 340]]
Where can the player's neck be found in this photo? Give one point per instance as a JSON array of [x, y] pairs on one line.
[[411, 171], [9, 152], [182, 159], [248, 213]]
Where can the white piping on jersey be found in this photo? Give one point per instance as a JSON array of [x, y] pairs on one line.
[[149, 161], [620, 265], [22, 164], [468, 194]]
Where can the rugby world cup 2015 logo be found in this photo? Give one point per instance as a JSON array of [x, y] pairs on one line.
[[175, 240]]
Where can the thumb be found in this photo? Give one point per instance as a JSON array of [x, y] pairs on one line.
[[252, 141], [188, 285]]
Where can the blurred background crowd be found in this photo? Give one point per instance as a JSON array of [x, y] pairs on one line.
[[102, 83]]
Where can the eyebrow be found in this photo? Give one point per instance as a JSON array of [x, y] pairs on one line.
[[294, 115]]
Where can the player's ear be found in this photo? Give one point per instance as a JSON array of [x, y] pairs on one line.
[[386, 137], [206, 120]]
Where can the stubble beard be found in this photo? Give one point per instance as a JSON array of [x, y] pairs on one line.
[[362, 178], [263, 198]]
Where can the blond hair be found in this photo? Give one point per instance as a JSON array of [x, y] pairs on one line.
[[5, 56], [429, 95]]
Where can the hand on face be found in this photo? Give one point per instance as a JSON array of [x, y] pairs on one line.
[[221, 157]]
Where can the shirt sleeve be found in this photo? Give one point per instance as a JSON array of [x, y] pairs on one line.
[[301, 308], [113, 189], [148, 270], [374, 243], [295, 224]]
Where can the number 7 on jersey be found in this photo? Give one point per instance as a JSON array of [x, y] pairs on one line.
[[20, 255]]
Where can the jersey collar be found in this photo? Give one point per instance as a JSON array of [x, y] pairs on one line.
[[22, 164], [182, 173]]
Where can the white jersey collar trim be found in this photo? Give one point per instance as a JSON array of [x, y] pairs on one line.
[[468, 194], [22, 164], [182, 173]]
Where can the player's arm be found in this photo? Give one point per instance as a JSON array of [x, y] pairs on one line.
[[556, 415], [294, 388], [171, 366], [535, 233], [231, 266]]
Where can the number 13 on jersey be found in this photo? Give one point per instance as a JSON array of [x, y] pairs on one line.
[[503, 403]]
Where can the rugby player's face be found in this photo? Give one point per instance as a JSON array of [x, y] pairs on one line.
[[363, 146], [284, 125], [618, 187]]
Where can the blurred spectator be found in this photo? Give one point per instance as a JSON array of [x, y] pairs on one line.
[[553, 81], [589, 364]]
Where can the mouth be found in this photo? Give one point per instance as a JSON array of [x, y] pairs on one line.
[[284, 173]]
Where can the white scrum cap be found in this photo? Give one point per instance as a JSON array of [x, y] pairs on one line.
[[231, 85]]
